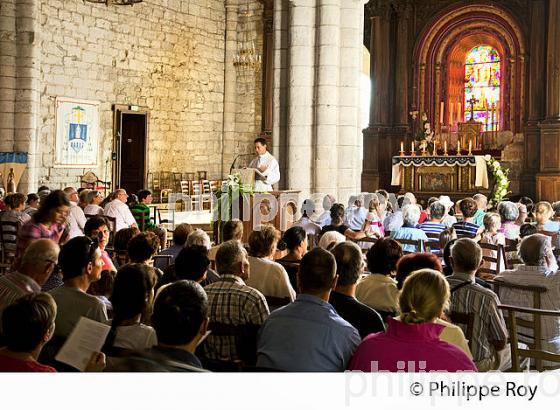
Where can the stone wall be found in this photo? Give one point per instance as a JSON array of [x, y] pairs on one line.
[[165, 56]]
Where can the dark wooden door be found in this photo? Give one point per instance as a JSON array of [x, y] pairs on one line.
[[132, 157]]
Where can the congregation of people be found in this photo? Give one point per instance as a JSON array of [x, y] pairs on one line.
[[373, 286]]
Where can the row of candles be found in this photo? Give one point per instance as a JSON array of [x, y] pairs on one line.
[[491, 119], [425, 152]]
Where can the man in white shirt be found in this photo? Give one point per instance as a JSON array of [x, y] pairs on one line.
[[267, 168], [76, 217], [119, 210]]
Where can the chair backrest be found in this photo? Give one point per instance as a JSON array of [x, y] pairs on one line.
[[494, 258], [165, 258], [113, 227], [465, 319], [201, 174], [188, 176], [8, 239], [418, 243], [276, 302], [186, 188], [245, 338], [537, 291], [510, 251], [534, 350]]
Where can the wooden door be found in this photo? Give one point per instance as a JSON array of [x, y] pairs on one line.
[[131, 144]]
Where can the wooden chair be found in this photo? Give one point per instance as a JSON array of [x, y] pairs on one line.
[[510, 251], [165, 258], [113, 228], [245, 339], [206, 196], [465, 319], [176, 177], [196, 197], [200, 175], [418, 243], [534, 350], [8, 239], [90, 181], [188, 176], [276, 302], [497, 260], [537, 291]]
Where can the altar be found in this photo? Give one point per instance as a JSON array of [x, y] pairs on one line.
[[436, 175]]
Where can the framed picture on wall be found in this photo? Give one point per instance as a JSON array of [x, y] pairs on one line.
[[77, 133]]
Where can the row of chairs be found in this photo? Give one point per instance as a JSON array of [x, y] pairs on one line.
[[163, 182]]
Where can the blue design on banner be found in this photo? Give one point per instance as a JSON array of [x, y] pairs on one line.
[[13, 157]]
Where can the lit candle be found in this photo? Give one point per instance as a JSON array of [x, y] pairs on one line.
[[412, 146], [402, 146], [450, 114], [458, 147], [442, 109], [444, 147], [470, 146]]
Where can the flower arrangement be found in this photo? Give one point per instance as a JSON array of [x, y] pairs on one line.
[[501, 184], [230, 194], [425, 135]]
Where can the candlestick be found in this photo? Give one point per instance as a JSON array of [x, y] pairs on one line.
[[470, 147], [434, 152], [441, 110], [412, 147], [401, 153], [458, 147], [450, 115], [445, 148]]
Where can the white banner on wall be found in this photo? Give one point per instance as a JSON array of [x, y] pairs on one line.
[[77, 133]]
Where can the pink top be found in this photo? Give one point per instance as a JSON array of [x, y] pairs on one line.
[[409, 348]]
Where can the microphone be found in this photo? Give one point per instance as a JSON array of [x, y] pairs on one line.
[[235, 160]]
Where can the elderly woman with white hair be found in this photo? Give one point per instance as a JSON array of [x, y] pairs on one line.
[[201, 238], [410, 230], [509, 213]]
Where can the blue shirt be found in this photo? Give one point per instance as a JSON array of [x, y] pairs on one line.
[[408, 232], [432, 227], [466, 229], [552, 226], [306, 336], [478, 217]]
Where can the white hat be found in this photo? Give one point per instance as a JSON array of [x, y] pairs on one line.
[[446, 201]]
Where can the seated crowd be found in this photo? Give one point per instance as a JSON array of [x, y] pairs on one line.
[[391, 287]]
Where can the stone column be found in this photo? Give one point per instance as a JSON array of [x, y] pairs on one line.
[[548, 181], [301, 63], [230, 87], [326, 96], [280, 88], [402, 64], [268, 69], [28, 61], [379, 122], [8, 53], [350, 148], [536, 98]]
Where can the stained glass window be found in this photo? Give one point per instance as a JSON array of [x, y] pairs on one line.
[[482, 82]]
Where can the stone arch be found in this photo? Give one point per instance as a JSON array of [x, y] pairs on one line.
[[455, 28]]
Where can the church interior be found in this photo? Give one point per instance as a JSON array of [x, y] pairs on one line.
[[397, 161]]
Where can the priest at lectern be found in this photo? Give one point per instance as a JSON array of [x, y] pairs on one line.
[[267, 170]]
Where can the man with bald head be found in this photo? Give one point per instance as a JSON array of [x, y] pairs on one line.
[[539, 268], [118, 209], [37, 264]]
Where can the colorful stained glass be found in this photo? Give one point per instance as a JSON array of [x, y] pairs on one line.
[[482, 83]]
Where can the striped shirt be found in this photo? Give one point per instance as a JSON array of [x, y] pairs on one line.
[[432, 227], [550, 300], [232, 302], [466, 229], [13, 286], [488, 324], [142, 211], [31, 231]]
